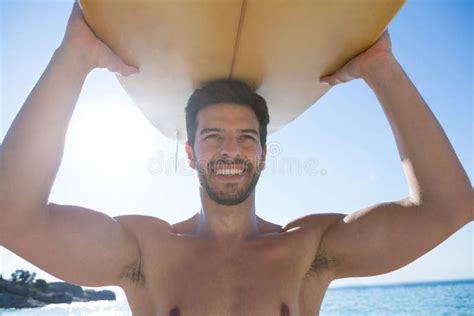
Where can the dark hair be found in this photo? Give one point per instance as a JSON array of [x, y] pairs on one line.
[[228, 91]]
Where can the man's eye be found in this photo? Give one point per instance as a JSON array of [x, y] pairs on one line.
[[248, 138], [213, 136]]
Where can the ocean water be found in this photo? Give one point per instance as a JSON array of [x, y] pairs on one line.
[[434, 298]]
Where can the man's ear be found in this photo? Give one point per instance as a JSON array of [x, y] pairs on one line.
[[190, 153]]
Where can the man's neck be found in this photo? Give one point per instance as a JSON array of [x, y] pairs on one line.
[[227, 223]]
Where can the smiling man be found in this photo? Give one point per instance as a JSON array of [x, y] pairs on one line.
[[227, 127], [224, 260]]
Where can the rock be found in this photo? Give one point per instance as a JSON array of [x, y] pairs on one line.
[[29, 296], [63, 287], [104, 295], [16, 301], [8, 287]]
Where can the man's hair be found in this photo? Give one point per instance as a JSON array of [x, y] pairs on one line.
[[226, 91]]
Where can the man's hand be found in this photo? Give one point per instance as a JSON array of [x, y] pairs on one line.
[[359, 66], [90, 50]]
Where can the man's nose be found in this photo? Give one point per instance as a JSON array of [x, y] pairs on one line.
[[230, 147]]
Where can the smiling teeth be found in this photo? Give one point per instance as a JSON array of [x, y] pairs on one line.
[[229, 172]]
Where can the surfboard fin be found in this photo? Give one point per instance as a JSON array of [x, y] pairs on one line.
[[176, 152]]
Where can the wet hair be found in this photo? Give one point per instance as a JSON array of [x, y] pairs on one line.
[[226, 91]]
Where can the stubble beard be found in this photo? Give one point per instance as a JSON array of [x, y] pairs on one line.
[[231, 195]]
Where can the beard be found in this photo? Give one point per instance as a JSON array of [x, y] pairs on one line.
[[229, 193]]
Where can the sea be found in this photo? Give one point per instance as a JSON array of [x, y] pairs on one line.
[[428, 298]]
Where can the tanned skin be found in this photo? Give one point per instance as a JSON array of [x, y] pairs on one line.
[[224, 260]]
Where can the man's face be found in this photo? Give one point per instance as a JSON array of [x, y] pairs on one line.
[[227, 153]]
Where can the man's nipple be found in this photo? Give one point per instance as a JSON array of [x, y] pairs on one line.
[[174, 311], [284, 310]]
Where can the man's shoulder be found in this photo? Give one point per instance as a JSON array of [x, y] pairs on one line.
[[316, 222], [139, 225]]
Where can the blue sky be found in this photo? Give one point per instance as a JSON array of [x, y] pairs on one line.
[[116, 162]]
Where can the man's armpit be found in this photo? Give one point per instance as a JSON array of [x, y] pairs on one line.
[[322, 262], [134, 274]]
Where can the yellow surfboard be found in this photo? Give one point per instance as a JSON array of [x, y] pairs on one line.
[[281, 46]]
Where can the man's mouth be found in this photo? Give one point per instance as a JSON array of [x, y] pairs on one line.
[[230, 170]]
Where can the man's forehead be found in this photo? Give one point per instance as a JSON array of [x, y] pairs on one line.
[[225, 115]]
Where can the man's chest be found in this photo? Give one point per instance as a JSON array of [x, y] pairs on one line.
[[194, 278]]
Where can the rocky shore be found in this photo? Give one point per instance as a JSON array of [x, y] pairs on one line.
[[41, 293]]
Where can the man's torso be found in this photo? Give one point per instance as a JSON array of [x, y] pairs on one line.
[[275, 273]]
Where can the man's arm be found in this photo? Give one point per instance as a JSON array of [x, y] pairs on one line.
[[72, 243], [387, 236]]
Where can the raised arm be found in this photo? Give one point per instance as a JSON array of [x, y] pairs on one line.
[[387, 236], [72, 243]]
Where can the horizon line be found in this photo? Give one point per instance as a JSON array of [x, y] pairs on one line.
[[402, 284]]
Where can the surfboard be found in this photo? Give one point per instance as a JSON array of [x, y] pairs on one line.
[[282, 47]]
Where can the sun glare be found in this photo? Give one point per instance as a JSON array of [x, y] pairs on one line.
[[110, 138]]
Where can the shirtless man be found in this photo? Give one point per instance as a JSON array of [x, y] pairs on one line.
[[225, 260]]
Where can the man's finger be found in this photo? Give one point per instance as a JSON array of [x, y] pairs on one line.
[[118, 66], [325, 79], [330, 80], [124, 69], [128, 70]]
